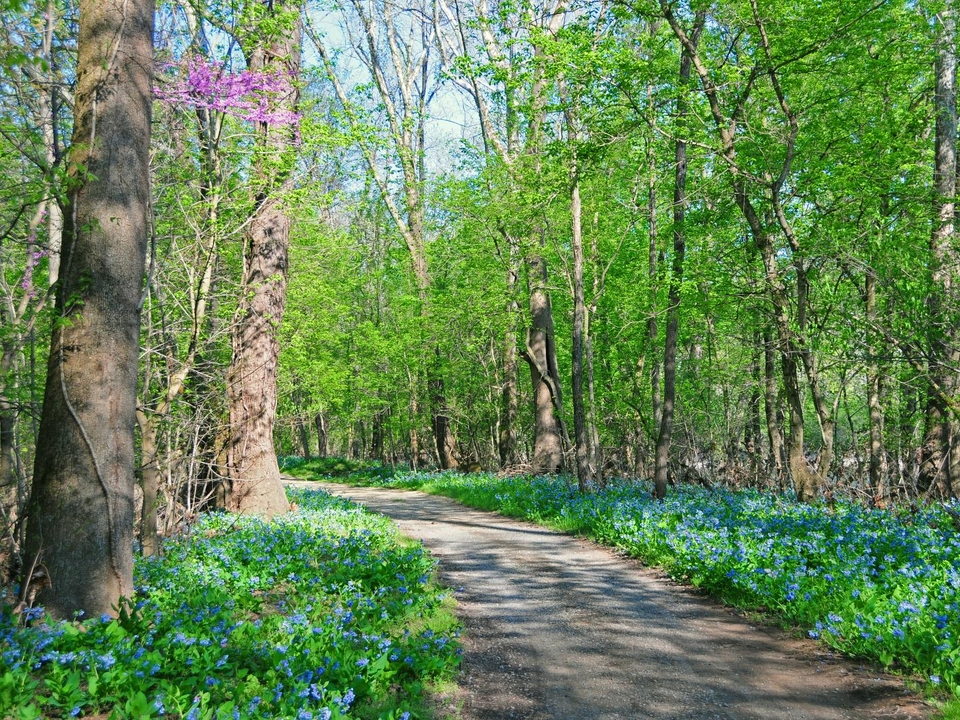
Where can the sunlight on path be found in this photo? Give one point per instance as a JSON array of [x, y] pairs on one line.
[[559, 628]]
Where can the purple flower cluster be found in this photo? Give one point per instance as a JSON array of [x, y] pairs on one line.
[[250, 95]]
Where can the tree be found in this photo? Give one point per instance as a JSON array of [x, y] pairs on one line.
[[941, 451], [396, 45], [253, 483], [665, 433], [81, 513]]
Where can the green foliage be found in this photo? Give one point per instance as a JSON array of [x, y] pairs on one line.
[[325, 613], [333, 467]]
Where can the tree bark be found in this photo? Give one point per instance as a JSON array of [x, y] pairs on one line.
[[662, 452], [254, 477], [150, 484], [771, 408], [507, 440], [874, 382], [81, 508], [321, 424], [540, 355], [586, 460], [9, 485], [937, 464], [653, 329]]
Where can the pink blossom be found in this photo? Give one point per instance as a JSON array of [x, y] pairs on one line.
[[249, 95]]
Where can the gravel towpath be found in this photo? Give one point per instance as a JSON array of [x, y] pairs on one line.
[[558, 628]]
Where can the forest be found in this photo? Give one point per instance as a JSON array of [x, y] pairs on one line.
[[657, 251], [704, 242]]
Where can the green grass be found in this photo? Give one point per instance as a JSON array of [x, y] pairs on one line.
[[321, 614]]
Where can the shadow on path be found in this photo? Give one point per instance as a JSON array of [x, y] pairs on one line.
[[558, 628]]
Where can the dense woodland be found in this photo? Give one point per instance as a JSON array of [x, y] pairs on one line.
[[705, 242]]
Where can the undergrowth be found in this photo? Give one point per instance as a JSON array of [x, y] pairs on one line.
[[875, 584], [322, 614]]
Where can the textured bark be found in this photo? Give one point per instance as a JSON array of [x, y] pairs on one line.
[[81, 508], [254, 477], [752, 433], [540, 354]]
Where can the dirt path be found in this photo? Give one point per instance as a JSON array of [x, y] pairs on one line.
[[558, 628]]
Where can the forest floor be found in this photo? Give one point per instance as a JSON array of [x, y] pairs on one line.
[[559, 628]]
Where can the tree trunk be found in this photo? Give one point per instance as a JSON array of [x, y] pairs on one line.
[[442, 429], [9, 485], [81, 508], [662, 453], [321, 425], [150, 484], [873, 392], [548, 433], [653, 331], [254, 476], [586, 461], [771, 409], [789, 344], [507, 441], [936, 466], [753, 444], [303, 432]]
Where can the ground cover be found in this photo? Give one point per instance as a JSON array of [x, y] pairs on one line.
[[872, 583], [321, 614]]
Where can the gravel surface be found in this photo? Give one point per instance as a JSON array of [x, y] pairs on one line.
[[559, 628]]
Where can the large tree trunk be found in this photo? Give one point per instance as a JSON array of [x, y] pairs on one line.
[[662, 453], [81, 509], [254, 476]]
